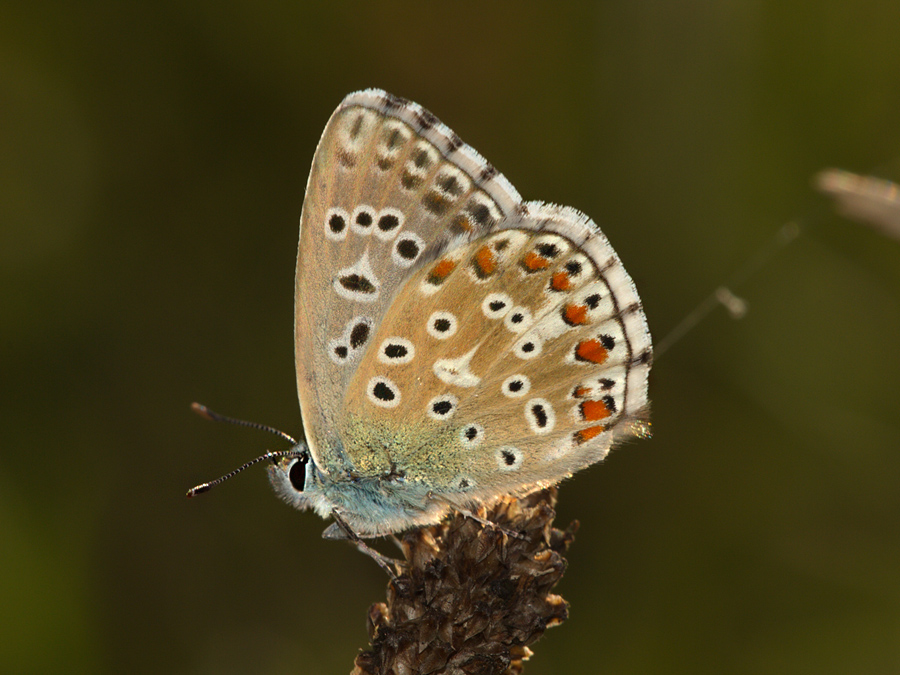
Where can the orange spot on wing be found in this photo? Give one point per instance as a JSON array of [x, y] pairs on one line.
[[441, 270], [575, 315], [581, 392], [463, 223], [486, 260], [435, 202], [560, 281], [535, 262], [591, 350], [594, 411], [585, 435]]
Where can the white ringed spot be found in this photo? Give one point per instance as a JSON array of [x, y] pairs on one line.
[[528, 347], [423, 157], [356, 333], [442, 325], [358, 282], [515, 386], [383, 392], [337, 222], [388, 223], [509, 458], [362, 219], [471, 435], [496, 305], [339, 351], [518, 319], [407, 249], [394, 135], [540, 415], [442, 407], [396, 351], [356, 127]]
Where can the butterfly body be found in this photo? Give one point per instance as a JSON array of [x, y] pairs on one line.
[[453, 343], [371, 505]]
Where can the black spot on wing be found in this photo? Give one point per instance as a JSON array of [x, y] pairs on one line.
[[357, 283], [359, 335], [388, 222], [383, 392], [407, 249], [337, 223], [548, 250]]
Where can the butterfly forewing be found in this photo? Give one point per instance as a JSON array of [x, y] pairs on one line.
[[390, 188]]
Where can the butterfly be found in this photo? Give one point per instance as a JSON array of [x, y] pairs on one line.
[[453, 343]]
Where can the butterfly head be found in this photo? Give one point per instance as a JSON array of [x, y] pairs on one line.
[[296, 478]]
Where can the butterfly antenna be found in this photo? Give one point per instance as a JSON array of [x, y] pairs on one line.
[[208, 414], [206, 487]]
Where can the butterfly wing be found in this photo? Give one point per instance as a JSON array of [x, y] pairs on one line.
[[390, 187], [505, 364]]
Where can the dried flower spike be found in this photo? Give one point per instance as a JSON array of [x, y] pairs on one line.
[[471, 598]]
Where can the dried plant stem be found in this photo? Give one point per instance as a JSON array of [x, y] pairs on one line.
[[470, 598]]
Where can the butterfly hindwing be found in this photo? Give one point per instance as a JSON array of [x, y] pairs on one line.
[[506, 363]]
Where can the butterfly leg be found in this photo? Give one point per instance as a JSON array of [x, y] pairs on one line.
[[484, 522], [489, 523], [344, 531]]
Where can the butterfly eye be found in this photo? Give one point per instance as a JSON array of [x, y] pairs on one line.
[[297, 473]]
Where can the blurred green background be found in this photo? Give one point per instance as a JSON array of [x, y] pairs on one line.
[[153, 159]]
